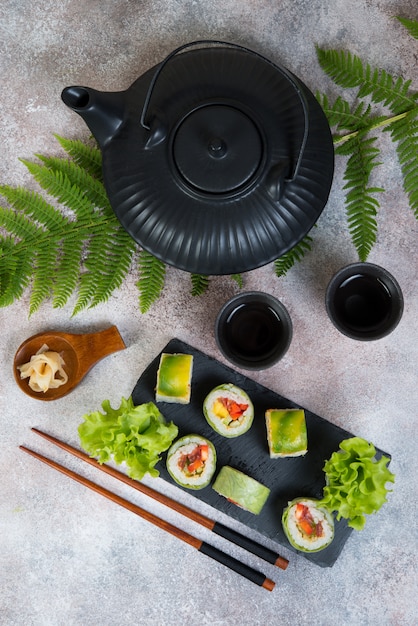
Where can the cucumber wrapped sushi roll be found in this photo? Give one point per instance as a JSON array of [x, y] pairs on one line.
[[308, 526], [228, 410], [191, 461], [240, 489]]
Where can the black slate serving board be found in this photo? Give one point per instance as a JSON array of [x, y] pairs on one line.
[[287, 478]]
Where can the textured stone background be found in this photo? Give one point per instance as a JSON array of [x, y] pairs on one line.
[[67, 556]]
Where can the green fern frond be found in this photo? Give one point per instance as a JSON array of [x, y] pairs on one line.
[[85, 292], [238, 279], [15, 271], [342, 117], [45, 247], [117, 251], [77, 176], [58, 185], [284, 263], [107, 262], [361, 205], [340, 114], [200, 284], [43, 275], [343, 67], [19, 225], [151, 279], [410, 25], [347, 70], [33, 208], [88, 157], [404, 133], [67, 271]]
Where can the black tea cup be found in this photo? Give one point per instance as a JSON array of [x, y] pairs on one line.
[[253, 330], [364, 301]]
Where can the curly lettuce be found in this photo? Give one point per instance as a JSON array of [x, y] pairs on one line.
[[356, 481], [135, 435]]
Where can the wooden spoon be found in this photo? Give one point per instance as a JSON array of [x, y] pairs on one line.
[[79, 352]]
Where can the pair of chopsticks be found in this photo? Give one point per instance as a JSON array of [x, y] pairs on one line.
[[216, 527]]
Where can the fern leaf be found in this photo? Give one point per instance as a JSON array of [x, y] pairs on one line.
[[85, 292], [404, 133], [107, 262], [118, 248], [284, 263], [238, 279], [15, 271], [200, 284], [89, 158], [67, 270], [343, 67], [17, 225], [361, 205], [340, 114], [93, 188], [347, 70], [44, 272], [33, 205], [151, 279], [60, 187], [410, 25]]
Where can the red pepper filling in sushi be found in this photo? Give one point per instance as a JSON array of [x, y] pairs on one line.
[[234, 409], [194, 462], [306, 522]]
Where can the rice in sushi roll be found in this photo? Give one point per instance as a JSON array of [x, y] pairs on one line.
[[308, 526], [228, 410], [191, 461]]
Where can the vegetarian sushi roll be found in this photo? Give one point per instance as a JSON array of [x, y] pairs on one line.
[[240, 489], [228, 410], [286, 432], [191, 461], [308, 526], [174, 378]]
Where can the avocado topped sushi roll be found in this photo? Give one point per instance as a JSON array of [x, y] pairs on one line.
[[191, 461], [286, 432], [174, 377], [228, 410], [308, 526]]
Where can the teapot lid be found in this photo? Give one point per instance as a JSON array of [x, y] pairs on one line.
[[217, 148], [224, 160]]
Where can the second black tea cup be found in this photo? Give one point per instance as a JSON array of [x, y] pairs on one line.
[[253, 330], [364, 301]]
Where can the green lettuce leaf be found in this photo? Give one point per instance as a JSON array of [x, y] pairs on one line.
[[356, 481], [135, 435]]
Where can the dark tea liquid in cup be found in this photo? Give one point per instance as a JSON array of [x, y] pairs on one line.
[[364, 301], [253, 330]]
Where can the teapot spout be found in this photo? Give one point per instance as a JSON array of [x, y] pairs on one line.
[[103, 112]]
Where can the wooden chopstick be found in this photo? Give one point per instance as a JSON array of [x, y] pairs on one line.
[[227, 533], [237, 566]]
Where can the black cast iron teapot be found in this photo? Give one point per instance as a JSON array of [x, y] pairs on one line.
[[216, 161]]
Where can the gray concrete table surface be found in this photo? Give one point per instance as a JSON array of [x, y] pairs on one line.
[[69, 557]]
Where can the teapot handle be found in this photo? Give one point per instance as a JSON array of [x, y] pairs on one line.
[[285, 72]]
